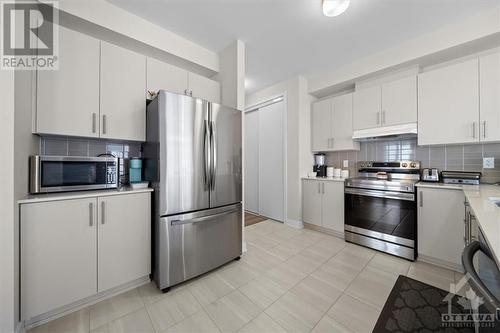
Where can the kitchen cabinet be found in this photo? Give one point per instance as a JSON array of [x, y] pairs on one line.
[[391, 103], [331, 127], [124, 239], [489, 96], [58, 254], [323, 204], [163, 76], [440, 226], [448, 101], [122, 102], [74, 249], [67, 99], [204, 88]]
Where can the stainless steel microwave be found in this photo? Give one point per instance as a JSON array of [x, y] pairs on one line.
[[70, 173]]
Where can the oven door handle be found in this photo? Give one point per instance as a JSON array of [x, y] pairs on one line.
[[380, 194]]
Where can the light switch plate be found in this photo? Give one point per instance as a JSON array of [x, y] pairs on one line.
[[488, 162], [346, 164]]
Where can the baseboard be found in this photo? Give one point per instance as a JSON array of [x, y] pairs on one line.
[[78, 305], [294, 224], [324, 230], [440, 263]]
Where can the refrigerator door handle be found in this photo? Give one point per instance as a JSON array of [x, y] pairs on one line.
[[207, 153], [213, 137]]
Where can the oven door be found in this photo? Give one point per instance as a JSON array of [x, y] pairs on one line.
[[384, 215]]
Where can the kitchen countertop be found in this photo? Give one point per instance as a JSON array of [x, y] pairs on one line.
[[447, 186], [34, 198], [331, 179]]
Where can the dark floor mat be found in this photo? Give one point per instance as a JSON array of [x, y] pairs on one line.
[[413, 306]]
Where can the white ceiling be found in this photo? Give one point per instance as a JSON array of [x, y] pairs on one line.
[[289, 37]]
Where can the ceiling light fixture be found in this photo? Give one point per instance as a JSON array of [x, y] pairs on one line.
[[333, 8]]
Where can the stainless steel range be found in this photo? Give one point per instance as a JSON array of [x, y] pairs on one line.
[[381, 207]]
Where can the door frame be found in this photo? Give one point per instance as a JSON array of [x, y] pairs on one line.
[[281, 97]]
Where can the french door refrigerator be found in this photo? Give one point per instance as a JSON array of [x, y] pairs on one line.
[[193, 159]]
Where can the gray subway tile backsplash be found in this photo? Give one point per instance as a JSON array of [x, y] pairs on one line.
[[62, 146]]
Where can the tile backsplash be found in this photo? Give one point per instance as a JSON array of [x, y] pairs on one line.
[[452, 157], [62, 146]]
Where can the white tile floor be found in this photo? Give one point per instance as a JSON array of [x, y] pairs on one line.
[[290, 280]]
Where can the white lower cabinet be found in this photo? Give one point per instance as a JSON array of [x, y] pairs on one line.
[[323, 204], [74, 249], [441, 226]]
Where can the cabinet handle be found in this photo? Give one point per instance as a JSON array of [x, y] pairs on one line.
[[383, 117], [91, 214], [103, 212], [323, 188], [185, 91], [333, 142], [421, 199], [378, 118], [94, 122], [104, 124], [191, 93], [484, 129], [473, 129], [319, 187]]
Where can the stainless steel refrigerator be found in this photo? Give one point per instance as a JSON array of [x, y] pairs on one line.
[[192, 157]]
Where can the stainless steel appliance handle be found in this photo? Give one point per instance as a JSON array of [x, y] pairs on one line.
[[380, 194], [207, 153], [91, 214], [201, 219], [213, 136], [94, 122], [103, 212], [104, 125]]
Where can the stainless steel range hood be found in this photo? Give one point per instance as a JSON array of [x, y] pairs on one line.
[[395, 132]]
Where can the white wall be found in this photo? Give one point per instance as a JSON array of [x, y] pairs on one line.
[[232, 75], [297, 140], [7, 275]]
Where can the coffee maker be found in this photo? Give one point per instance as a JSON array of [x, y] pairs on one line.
[[319, 165]]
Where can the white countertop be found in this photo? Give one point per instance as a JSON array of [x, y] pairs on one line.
[[447, 186], [331, 179], [487, 214], [34, 198]]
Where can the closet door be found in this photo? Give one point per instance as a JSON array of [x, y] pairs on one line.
[[251, 161], [271, 170]]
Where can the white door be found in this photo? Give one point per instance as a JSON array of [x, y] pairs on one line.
[[271, 160], [366, 108], [204, 88], [124, 239], [123, 91], [163, 76], [251, 162], [67, 100], [341, 124], [333, 206], [489, 88], [448, 104], [58, 254], [311, 201], [399, 101], [321, 131]]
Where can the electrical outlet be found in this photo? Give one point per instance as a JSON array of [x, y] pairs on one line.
[[488, 162], [346, 163]]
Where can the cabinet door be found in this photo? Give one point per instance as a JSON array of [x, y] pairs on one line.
[[341, 123], [448, 102], [489, 88], [123, 86], [321, 131], [399, 101], [124, 239], [333, 206], [440, 225], [366, 108], [311, 202], [204, 88], [163, 76], [58, 254], [67, 101]]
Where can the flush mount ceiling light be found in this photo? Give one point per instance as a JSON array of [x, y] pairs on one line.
[[333, 8]]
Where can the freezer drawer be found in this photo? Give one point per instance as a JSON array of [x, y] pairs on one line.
[[191, 244]]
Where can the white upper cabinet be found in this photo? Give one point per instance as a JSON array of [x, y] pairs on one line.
[[67, 101], [123, 103], [489, 88], [367, 107], [204, 88], [399, 102], [163, 76], [321, 130], [448, 100]]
